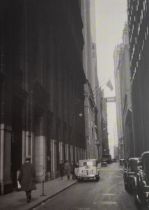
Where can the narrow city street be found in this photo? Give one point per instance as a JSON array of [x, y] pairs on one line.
[[107, 194], [74, 81]]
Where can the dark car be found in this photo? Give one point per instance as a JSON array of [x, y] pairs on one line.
[[142, 189], [121, 161], [104, 163], [114, 160], [130, 173]]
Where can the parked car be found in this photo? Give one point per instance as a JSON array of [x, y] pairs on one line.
[[88, 169], [142, 189], [114, 160], [130, 173], [121, 161]]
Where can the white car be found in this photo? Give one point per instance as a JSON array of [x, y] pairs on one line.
[[88, 170]]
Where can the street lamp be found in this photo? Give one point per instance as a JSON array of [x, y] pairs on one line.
[[80, 115]]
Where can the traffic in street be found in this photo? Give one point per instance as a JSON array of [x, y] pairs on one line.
[[74, 104], [106, 194]]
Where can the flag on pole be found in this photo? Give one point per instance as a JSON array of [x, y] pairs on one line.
[[109, 85]]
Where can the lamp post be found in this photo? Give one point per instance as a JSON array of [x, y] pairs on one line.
[[43, 181], [98, 146]]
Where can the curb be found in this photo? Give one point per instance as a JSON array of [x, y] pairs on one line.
[[49, 197]]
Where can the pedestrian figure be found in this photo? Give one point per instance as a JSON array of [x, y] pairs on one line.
[[61, 168], [73, 170], [27, 178], [18, 183], [67, 169]]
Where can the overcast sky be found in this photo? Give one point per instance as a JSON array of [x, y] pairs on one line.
[[111, 16]]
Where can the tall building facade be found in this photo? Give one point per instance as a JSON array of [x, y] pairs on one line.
[[138, 16], [104, 127], [123, 95], [99, 118], [41, 87], [119, 114], [91, 85]]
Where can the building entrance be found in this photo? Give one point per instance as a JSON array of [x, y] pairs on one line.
[[16, 140]]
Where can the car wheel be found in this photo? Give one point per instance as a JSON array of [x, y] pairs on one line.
[[126, 187]]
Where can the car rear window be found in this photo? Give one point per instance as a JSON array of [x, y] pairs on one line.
[[88, 163]]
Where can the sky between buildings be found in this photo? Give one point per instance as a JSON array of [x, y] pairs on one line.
[[111, 16]]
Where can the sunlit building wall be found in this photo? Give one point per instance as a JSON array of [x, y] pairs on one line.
[[90, 69], [125, 95], [118, 101]]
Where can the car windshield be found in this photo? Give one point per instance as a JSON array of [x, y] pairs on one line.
[[132, 165]]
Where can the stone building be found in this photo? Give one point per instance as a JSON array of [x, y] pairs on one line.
[[138, 23], [104, 127], [117, 71], [91, 86], [41, 87], [123, 97]]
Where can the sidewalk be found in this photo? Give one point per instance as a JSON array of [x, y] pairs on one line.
[[17, 200]]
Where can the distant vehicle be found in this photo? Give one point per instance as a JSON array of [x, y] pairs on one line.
[[142, 189], [114, 160], [104, 163], [121, 162], [88, 170], [131, 168], [107, 158]]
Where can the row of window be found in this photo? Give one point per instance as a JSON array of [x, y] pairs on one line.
[[142, 17], [146, 36], [143, 13]]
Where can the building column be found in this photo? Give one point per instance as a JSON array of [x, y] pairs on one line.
[[76, 156], [53, 158], [40, 149], [71, 153], [61, 152], [5, 159], [66, 151], [5, 145]]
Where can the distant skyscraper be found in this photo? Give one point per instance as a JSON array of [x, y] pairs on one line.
[[118, 100]]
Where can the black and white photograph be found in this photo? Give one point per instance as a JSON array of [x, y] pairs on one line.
[[74, 104]]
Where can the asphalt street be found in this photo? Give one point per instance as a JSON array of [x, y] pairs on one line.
[[107, 194]]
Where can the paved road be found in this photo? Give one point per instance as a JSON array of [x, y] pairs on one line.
[[107, 194]]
